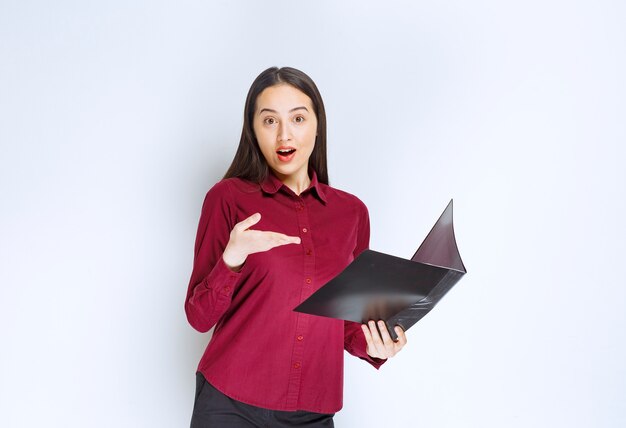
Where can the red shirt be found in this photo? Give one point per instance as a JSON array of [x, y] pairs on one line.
[[262, 352]]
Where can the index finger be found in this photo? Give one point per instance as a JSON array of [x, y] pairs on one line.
[[248, 222]]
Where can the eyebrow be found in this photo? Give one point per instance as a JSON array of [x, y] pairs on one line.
[[293, 109]]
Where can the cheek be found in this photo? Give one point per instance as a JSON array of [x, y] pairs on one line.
[[313, 140], [310, 137], [266, 143], [267, 153]]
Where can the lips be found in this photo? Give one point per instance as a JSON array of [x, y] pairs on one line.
[[285, 153]]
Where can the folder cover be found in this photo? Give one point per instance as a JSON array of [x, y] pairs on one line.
[[399, 291]]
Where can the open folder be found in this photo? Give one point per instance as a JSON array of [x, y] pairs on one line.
[[399, 291]]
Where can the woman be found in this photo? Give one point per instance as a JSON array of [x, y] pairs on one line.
[[270, 234]]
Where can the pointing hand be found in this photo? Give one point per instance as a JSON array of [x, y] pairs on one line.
[[244, 242]]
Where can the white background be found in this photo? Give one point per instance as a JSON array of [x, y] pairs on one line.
[[116, 118]]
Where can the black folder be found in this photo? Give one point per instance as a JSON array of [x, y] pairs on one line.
[[399, 291]]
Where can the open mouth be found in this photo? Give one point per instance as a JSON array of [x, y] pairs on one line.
[[285, 153]]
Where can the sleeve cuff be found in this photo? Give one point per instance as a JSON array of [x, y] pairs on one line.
[[359, 347], [221, 279]]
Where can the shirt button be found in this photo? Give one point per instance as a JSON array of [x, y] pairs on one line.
[[305, 230], [300, 337], [227, 289], [309, 252], [296, 365], [308, 280]]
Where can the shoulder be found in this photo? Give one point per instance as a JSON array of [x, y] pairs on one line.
[[226, 188], [222, 199]]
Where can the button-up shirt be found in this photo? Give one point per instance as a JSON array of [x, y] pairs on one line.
[[262, 352]]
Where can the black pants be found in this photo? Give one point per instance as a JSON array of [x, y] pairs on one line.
[[214, 409]]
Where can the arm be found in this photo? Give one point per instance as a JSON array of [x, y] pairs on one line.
[[212, 283], [222, 247], [354, 338]]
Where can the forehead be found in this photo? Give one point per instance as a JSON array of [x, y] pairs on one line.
[[282, 97]]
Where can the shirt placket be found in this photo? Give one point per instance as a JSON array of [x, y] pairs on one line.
[[302, 320]]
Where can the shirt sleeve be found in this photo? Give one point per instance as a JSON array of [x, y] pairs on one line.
[[354, 338], [212, 283]]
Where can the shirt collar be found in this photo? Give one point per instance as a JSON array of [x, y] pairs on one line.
[[272, 184]]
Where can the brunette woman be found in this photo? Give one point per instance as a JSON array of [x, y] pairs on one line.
[[272, 232]]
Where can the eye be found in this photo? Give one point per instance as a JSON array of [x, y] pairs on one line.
[[299, 119], [269, 121]]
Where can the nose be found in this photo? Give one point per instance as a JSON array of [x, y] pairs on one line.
[[284, 132]]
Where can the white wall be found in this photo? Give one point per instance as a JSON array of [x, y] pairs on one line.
[[116, 117]]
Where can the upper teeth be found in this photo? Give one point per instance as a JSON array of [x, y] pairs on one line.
[[285, 150]]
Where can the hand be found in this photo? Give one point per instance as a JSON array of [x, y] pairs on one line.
[[244, 242], [384, 347]]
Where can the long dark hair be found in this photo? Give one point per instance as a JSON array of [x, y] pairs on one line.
[[249, 162]]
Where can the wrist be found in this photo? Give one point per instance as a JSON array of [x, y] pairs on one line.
[[233, 260]]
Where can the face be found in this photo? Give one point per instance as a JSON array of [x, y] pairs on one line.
[[285, 126]]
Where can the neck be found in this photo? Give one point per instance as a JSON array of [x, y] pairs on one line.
[[298, 183]]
